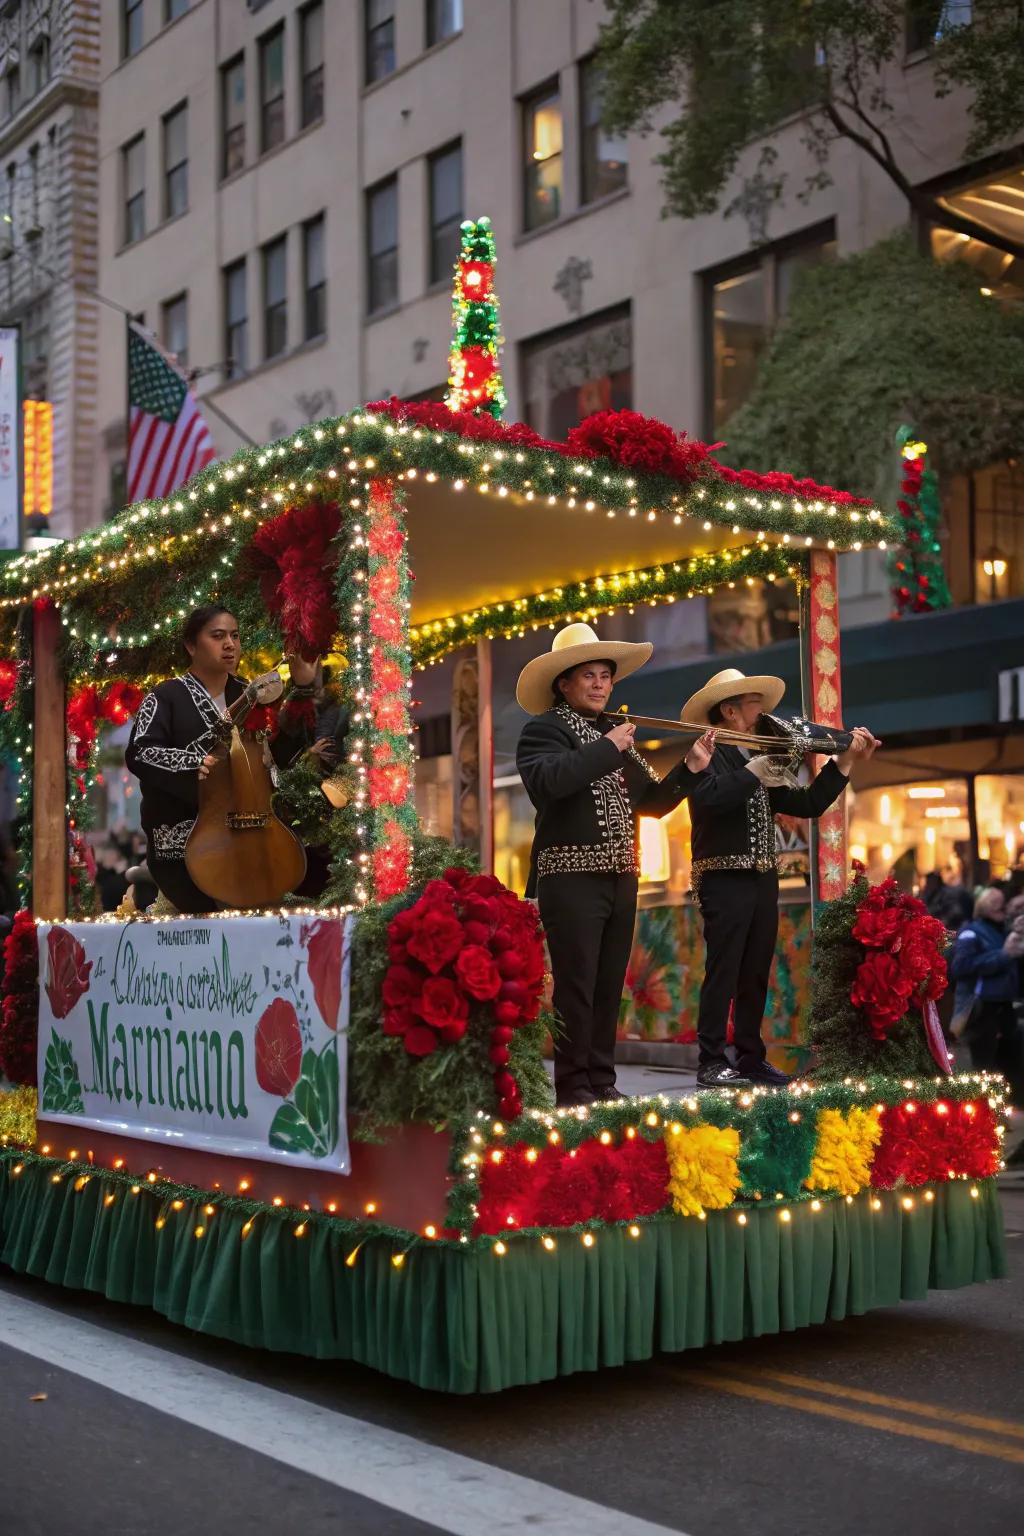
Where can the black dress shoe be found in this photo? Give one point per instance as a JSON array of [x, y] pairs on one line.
[[609, 1094], [765, 1075], [720, 1075], [573, 1098]]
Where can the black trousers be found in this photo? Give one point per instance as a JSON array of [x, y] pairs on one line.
[[172, 878], [588, 920], [740, 909]]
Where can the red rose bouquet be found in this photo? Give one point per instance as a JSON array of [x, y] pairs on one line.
[[467, 955], [903, 965]]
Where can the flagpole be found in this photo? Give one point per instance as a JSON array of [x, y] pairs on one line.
[[127, 408]]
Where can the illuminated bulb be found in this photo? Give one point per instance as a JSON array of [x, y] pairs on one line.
[[531, 1154], [652, 1118], [500, 1249], [588, 1239], [278, 1200], [549, 1244], [177, 1205], [199, 1231], [742, 1218], [929, 1195], [907, 1203], [370, 1207], [247, 1228], [974, 1192], [109, 1199], [430, 1230], [300, 1230], [785, 1216], [634, 1231], [398, 1259], [876, 1204], [630, 1132], [815, 1205]]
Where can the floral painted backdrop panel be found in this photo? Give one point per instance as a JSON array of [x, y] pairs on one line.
[[666, 968]]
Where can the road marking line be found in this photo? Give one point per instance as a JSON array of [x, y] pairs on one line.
[[879, 1400], [440, 1487], [1011, 1453]]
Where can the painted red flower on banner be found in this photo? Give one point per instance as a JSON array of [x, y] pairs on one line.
[[67, 971], [278, 1048], [324, 948]]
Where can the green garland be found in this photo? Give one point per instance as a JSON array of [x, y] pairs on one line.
[[604, 594], [201, 529]]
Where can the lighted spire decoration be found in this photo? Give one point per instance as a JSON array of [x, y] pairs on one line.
[[915, 570], [474, 384]]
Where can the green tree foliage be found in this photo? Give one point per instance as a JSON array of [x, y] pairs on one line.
[[715, 76], [873, 340]]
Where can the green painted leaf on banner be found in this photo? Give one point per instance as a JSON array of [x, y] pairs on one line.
[[308, 1122], [62, 1086]]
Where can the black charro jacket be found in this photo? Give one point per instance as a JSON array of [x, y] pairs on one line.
[[732, 813], [587, 795]]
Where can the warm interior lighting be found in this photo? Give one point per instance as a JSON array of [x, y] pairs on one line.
[[655, 865], [945, 811], [926, 792]]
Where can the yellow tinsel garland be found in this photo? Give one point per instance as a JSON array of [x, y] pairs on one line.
[[18, 1116], [845, 1149], [703, 1165]]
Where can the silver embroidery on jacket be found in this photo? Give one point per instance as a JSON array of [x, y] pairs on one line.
[[616, 851], [146, 715], [169, 842], [174, 759]]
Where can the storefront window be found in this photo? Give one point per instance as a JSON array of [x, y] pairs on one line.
[[912, 829], [573, 372], [1000, 801]]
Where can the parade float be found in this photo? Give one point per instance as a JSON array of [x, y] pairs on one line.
[[327, 1128]]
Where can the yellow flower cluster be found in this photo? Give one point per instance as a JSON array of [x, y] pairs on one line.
[[703, 1166], [844, 1150], [18, 1116]]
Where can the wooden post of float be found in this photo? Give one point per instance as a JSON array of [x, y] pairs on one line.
[[821, 693], [485, 738], [49, 774]]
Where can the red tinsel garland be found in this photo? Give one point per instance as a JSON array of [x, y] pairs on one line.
[[294, 557], [782, 484], [556, 1188], [927, 1143], [640, 443], [467, 953], [19, 1024], [8, 682]]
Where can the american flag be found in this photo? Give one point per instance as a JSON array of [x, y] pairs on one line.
[[168, 440]]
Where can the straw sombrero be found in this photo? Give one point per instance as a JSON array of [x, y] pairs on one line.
[[730, 684], [571, 647]]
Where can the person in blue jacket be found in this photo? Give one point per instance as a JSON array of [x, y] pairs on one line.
[[987, 977]]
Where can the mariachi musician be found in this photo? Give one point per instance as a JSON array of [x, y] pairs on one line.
[[735, 870], [588, 783], [177, 730]]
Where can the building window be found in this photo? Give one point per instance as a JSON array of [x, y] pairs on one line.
[[570, 373], [173, 9], [997, 202], [12, 91], [743, 304], [133, 176], [236, 320], [39, 64], [314, 278], [175, 328], [603, 158], [176, 162], [275, 297], [928, 21], [445, 211], [311, 53], [131, 27], [272, 90], [444, 19], [382, 245], [542, 157], [380, 39], [232, 109]]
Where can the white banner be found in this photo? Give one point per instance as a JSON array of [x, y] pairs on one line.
[[221, 1033], [10, 440]]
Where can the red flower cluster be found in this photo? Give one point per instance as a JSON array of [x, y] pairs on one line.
[[436, 417], [468, 941], [926, 1143], [558, 1188], [391, 863], [87, 706], [294, 557], [904, 965], [781, 484], [8, 682], [640, 443], [389, 785], [19, 1025]]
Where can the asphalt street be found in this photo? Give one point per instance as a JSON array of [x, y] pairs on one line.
[[906, 1421]]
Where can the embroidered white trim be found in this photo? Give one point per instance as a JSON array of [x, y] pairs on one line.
[[169, 842], [146, 715], [202, 699], [174, 759]]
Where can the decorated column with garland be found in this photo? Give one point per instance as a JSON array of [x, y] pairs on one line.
[[475, 386], [916, 571], [475, 383], [822, 702]]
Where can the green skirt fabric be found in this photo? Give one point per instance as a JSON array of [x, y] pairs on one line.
[[462, 1319]]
